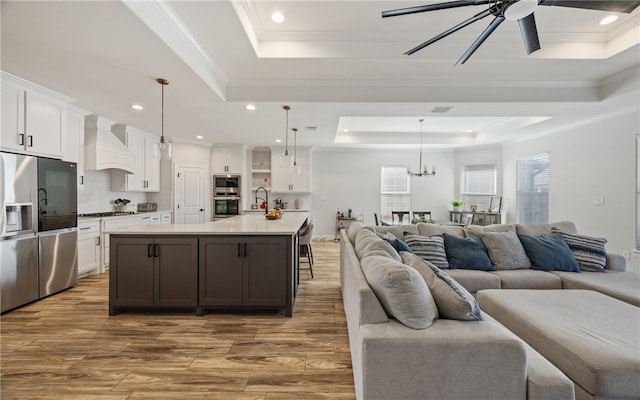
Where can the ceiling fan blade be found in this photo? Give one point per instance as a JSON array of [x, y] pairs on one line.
[[434, 7], [450, 31], [483, 36], [529, 33], [624, 6]]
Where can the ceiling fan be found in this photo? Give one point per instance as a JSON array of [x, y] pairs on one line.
[[520, 10]]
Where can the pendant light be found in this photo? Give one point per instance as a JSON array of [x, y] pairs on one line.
[[295, 168], [165, 147], [285, 158], [421, 171]]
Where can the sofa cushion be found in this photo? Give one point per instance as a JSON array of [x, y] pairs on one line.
[[426, 229], [466, 253], [475, 280], [545, 229], [431, 248], [589, 251], [505, 250], [549, 253], [453, 300], [527, 279], [623, 286], [397, 230], [478, 230], [401, 291], [353, 230], [369, 244]]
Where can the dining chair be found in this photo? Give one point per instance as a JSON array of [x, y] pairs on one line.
[[375, 217], [305, 245], [426, 215], [399, 215]]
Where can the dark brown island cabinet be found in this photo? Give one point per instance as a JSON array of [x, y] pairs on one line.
[[203, 273], [245, 272], [149, 272]]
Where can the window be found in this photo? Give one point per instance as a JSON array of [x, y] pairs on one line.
[[478, 185], [395, 190], [532, 182]]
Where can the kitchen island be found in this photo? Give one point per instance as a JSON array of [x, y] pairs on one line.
[[238, 263]]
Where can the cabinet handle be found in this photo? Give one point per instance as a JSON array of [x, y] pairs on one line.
[[98, 241], [86, 227], [239, 249], [21, 139], [156, 250], [82, 179], [150, 250], [30, 141], [245, 249]]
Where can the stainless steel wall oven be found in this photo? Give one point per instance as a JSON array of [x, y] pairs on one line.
[[227, 199]]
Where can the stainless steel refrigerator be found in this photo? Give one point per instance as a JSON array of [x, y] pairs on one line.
[[38, 228]]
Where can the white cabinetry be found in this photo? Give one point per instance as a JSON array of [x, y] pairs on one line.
[[165, 218], [75, 141], [226, 159], [33, 118], [88, 247], [284, 179], [260, 169], [110, 224], [146, 151]]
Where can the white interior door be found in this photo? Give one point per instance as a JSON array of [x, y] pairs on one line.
[[190, 194]]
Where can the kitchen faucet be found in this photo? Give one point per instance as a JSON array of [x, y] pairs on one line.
[[266, 201]]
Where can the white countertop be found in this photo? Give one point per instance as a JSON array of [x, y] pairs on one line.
[[248, 224]]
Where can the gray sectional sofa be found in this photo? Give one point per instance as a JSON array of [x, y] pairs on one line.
[[396, 355]]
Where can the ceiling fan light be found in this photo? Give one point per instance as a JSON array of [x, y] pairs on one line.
[[520, 9]]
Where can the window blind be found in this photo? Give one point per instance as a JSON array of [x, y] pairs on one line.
[[478, 184], [395, 190], [533, 189]]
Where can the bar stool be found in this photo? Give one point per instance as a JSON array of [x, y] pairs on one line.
[[305, 243]]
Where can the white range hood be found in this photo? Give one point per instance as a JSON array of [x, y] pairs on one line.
[[102, 149]]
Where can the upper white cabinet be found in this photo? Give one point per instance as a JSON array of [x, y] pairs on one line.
[[33, 118], [74, 149], [284, 179], [146, 151], [227, 159]]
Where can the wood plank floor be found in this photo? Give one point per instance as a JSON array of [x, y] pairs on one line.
[[67, 347]]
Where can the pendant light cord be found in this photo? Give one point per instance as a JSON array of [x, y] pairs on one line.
[[286, 130]]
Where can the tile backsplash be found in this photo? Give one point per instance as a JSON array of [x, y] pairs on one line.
[[98, 197]]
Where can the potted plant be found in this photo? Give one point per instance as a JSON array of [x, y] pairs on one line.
[[456, 205]]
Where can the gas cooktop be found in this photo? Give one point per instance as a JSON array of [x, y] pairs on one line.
[[107, 214]]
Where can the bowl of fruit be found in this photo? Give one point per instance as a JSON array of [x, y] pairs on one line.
[[274, 214]]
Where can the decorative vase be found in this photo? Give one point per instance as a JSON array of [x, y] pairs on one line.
[[456, 208]]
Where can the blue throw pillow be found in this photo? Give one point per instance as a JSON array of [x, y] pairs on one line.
[[396, 243], [467, 253], [549, 253]]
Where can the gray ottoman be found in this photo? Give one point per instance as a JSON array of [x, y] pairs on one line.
[[593, 338]]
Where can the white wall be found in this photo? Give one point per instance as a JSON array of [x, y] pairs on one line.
[[592, 160], [351, 179]]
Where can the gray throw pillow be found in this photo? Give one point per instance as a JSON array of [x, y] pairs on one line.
[[588, 251], [505, 250], [549, 253], [401, 291], [453, 300], [431, 248]]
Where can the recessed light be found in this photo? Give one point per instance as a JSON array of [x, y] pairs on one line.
[[199, 137], [137, 107], [608, 19], [345, 130], [250, 107], [277, 17], [278, 140], [469, 130]]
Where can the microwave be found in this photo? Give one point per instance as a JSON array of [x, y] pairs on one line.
[[226, 185]]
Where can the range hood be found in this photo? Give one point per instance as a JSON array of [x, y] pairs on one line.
[[102, 149]]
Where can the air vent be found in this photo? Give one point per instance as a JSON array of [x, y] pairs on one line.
[[310, 128], [441, 109]]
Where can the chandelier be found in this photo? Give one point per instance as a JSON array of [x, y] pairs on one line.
[[422, 171]]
